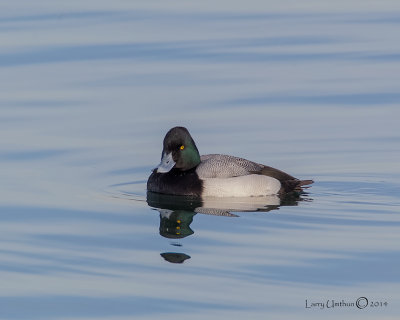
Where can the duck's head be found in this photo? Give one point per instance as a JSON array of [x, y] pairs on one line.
[[179, 151]]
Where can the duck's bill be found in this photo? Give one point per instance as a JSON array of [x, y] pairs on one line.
[[166, 164]]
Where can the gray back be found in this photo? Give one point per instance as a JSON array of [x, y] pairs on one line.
[[224, 166]]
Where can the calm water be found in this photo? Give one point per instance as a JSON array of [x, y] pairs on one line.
[[88, 91]]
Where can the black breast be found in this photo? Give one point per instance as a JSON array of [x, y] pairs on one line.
[[176, 182]]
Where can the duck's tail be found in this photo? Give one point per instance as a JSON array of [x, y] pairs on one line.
[[305, 183], [294, 185]]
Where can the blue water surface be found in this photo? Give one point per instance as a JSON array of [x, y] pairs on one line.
[[88, 92]]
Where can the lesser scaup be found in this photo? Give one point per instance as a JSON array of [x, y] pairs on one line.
[[183, 171]]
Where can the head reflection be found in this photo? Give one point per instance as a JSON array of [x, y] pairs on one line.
[[175, 224]]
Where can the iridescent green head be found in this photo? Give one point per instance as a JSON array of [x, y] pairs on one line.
[[179, 151]]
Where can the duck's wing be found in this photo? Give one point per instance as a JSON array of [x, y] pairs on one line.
[[224, 166]]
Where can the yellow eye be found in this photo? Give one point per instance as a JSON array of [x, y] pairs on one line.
[[182, 147]]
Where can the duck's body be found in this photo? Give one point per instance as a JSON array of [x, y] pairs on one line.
[[183, 172]]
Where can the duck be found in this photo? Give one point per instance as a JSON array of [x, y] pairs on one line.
[[183, 172]]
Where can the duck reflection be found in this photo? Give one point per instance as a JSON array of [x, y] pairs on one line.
[[175, 224], [177, 213]]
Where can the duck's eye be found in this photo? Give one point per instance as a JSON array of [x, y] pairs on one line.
[[182, 147]]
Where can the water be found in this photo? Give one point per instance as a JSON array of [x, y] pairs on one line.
[[88, 91]]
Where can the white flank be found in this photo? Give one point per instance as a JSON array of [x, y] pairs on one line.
[[253, 185]]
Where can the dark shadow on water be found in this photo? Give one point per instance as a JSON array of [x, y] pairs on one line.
[[177, 212]]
